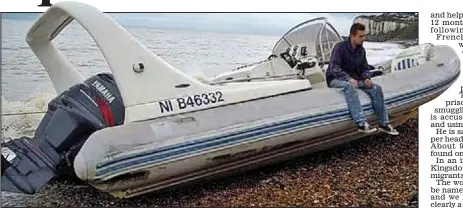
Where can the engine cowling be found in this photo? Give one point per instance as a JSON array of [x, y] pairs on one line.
[[71, 118]]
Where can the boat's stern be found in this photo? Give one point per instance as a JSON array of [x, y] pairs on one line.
[[28, 164]]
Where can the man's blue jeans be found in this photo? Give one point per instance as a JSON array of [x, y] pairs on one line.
[[353, 102]]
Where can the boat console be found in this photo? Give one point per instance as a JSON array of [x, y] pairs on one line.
[[301, 53]]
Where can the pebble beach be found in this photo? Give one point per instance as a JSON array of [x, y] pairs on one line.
[[377, 171]]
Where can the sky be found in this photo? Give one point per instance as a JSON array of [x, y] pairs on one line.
[[249, 23]]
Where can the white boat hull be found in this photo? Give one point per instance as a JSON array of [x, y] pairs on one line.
[[137, 158], [223, 163]]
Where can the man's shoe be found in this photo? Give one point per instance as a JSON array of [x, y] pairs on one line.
[[366, 128], [388, 129]]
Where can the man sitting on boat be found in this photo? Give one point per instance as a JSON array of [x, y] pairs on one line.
[[348, 69]]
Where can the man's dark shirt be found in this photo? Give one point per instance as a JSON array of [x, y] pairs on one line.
[[347, 62]]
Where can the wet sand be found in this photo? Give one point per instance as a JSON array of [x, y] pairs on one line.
[[376, 171]]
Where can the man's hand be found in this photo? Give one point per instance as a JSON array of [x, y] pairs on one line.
[[368, 83], [353, 82]]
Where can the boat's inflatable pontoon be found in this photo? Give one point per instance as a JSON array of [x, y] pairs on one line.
[[147, 126]]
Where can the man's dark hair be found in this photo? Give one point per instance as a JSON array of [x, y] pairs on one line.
[[356, 27]]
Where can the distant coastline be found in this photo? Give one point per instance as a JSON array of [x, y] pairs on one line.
[[404, 42], [396, 27]]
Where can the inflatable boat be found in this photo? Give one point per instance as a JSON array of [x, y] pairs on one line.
[[147, 126]]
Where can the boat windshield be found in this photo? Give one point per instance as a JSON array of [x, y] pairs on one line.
[[318, 35]]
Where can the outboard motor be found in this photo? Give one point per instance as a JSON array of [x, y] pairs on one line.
[[71, 118]]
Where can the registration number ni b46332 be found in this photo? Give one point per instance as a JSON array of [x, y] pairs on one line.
[[192, 101]]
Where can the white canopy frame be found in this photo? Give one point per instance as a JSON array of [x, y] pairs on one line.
[[318, 35]]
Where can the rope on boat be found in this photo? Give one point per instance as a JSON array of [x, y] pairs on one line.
[[255, 63], [23, 113]]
